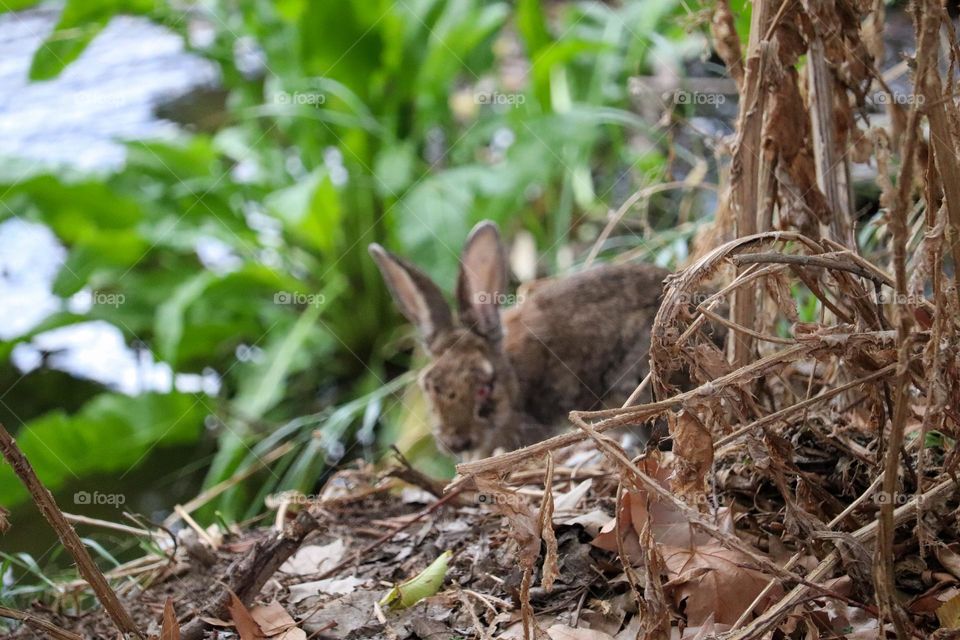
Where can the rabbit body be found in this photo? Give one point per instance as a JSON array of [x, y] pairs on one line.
[[505, 379], [581, 342]]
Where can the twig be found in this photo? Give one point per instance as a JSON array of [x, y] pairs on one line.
[[805, 261], [68, 536], [800, 406], [106, 524], [39, 623], [769, 619], [247, 576]]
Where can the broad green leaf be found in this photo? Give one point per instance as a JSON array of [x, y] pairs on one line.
[[111, 433], [264, 386], [79, 23], [423, 585], [310, 209]]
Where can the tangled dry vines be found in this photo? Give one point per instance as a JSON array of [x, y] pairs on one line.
[[831, 444]]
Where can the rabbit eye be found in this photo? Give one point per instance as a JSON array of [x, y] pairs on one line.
[[484, 391]]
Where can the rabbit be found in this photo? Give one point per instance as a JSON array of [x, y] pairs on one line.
[[502, 379]]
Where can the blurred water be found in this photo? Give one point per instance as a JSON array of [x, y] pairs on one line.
[[78, 121], [107, 95]]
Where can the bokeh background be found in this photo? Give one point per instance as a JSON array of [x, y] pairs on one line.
[[187, 191]]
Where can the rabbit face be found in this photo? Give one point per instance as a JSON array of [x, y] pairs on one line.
[[470, 384], [471, 392]]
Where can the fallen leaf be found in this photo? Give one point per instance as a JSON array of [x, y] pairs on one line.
[[524, 522], [949, 558], [343, 616], [169, 628], [715, 585], [274, 621], [314, 558], [416, 495], [592, 521], [949, 613], [564, 632], [568, 501], [330, 586], [247, 627], [424, 584]]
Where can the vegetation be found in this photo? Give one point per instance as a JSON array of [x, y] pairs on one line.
[[345, 123]]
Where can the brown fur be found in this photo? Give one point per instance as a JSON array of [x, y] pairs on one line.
[[506, 379]]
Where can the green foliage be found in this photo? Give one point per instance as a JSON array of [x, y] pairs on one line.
[[110, 433], [80, 22], [369, 121]]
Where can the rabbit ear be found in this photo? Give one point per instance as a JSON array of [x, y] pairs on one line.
[[482, 281], [415, 294]]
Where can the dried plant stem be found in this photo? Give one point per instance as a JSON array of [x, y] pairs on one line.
[[927, 27], [806, 261], [831, 171], [769, 619], [944, 151], [611, 418], [799, 406], [747, 165], [68, 536], [40, 624]]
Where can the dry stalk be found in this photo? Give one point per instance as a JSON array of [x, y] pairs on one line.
[[68, 536]]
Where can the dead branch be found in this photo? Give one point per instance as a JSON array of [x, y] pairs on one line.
[[68, 536]]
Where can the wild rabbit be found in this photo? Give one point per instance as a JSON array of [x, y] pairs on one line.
[[505, 379]]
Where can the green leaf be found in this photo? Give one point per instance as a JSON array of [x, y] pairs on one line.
[[262, 388], [310, 210], [17, 5], [79, 23], [111, 433], [394, 169], [425, 584]]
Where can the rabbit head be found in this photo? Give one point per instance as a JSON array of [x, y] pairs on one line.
[[470, 385]]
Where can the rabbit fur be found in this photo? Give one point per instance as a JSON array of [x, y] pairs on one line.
[[505, 378]]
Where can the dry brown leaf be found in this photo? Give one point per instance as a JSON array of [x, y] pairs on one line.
[[949, 613], [564, 632], [169, 628], [275, 622], [949, 558], [523, 521], [693, 448], [724, 590], [247, 627], [668, 525], [314, 558]]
